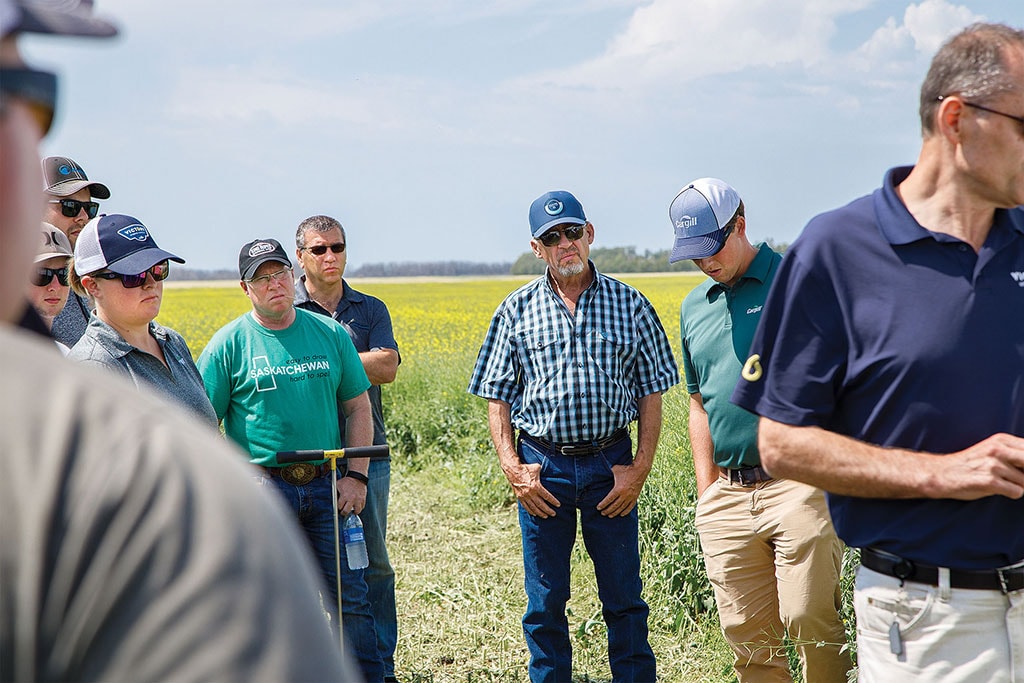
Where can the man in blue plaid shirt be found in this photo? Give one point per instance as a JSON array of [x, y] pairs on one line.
[[569, 361]]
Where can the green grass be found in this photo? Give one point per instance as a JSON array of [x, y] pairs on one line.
[[453, 529]]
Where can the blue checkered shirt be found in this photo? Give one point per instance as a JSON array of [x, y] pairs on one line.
[[574, 378]]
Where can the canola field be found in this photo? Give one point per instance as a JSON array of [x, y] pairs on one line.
[[439, 320]]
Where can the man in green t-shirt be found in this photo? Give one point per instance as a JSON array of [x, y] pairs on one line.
[[769, 548], [275, 377]]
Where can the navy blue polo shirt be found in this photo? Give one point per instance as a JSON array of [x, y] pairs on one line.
[[881, 330]]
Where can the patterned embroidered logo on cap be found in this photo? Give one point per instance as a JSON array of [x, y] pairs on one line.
[[260, 248], [686, 222], [64, 169], [135, 231], [553, 207]]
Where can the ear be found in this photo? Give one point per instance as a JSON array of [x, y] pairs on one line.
[[741, 226], [245, 288], [298, 254], [590, 232], [535, 245], [89, 283], [948, 118]]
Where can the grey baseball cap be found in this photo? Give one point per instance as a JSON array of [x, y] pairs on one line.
[[57, 17]]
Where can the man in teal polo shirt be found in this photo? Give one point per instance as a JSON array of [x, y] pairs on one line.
[[769, 547]]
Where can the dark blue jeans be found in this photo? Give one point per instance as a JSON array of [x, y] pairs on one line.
[[380, 576], [313, 505], [580, 483]]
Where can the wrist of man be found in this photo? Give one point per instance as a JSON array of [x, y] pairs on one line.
[[358, 476]]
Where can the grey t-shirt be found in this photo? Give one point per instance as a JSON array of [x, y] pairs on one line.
[[179, 379], [69, 325], [135, 544]]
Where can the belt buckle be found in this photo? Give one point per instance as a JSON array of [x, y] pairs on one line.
[[298, 474]]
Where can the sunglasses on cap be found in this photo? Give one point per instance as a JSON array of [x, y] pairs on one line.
[[38, 89], [159, 272], [321, 249], [71, 207], [43, 276], [554, 236]]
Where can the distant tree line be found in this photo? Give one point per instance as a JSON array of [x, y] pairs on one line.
[[607, 260], [441, 268], [612, 260]]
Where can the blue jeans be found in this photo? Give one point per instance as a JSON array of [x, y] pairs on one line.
[[380, 576], [314, 504], [580, 483]]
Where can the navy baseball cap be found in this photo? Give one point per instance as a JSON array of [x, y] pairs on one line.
[[119, 243], [699, 215], [555, 208], [254, 254]]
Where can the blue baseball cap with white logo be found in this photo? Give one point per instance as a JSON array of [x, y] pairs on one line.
[[119, 243], [700, 213], [555, 208]]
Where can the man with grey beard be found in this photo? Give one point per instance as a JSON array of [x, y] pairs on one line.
[[570, 360]]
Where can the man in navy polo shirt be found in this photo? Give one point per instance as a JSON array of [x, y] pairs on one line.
[[887, 371], [769, 547]]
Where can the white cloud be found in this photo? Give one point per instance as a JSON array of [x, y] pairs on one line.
[[668, 42], [932, 21], [924, 27]]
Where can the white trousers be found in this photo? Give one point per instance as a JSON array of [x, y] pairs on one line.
[[947, 635]]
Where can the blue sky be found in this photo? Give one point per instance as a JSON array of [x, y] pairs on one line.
[[428, 126]]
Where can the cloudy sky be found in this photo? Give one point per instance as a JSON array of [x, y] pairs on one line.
[[428, 126]]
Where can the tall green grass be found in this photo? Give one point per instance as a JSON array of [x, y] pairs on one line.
[[453, 530]]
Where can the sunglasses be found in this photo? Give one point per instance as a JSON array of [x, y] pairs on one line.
[[71, 207], [38, 89], [44, 276], [159, 272], [554, 236], [321, 249]]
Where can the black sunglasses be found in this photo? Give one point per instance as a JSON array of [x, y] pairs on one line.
[[321, 249], [554, 236], [43, 276], [71, 207], [37, 88], [159, 272]]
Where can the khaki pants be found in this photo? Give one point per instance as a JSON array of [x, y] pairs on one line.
[[774, 562]]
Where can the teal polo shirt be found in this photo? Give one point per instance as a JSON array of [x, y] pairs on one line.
[[717, 324]]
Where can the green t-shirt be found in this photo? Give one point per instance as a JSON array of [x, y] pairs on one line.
[[278, 390], [717, 324]]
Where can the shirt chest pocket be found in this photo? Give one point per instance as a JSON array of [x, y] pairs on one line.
[[540, 353], [614, 353]]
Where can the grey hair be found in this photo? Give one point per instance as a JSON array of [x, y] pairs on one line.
[[319, 224], [972, 64]]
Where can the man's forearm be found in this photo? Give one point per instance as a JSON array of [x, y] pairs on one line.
[[648, 430]]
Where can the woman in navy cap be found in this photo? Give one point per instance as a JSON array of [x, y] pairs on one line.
[[118, 263]]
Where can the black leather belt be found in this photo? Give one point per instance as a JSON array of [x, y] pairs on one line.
[[579, 449], [300, 473], [1005, 580], [745, 476]]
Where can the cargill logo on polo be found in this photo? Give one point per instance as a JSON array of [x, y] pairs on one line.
[[553, 207], [260, 248], [1018, 277], [686, 222], [135, 231]]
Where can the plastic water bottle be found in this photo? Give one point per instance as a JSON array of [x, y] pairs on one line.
[[355, 542]]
